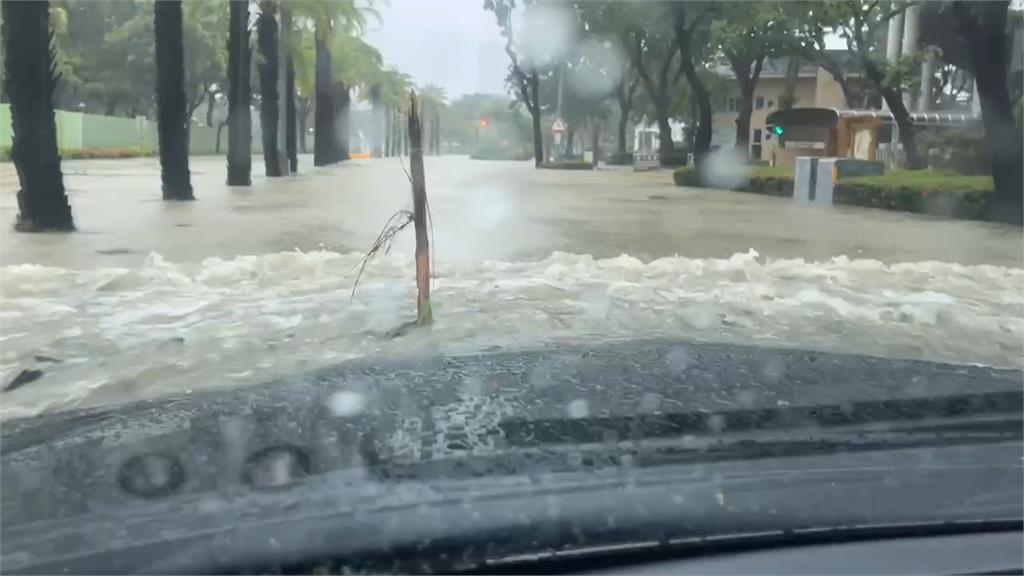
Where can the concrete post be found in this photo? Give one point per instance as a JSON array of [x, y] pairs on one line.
[[892, 45], [911, 18], [924, 103]]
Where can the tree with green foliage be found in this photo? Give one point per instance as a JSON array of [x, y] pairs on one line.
[[172, 119], [691, 31], [335, 26], [524, 75], [983, 25], [31, 78], [863, 25], [654, 57], [745, 35], [433, 100]]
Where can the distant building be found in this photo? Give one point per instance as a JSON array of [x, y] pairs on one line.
[[814, 87]]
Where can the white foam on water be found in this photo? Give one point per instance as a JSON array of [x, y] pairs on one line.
[[125, 334]]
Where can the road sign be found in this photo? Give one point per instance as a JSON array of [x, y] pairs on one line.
[[558, 125]]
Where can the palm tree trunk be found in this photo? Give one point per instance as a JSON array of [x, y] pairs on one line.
[[387, 132], [31, 80], [172, 116], [239, 97], [323, 115], [266, 32], [344, 107]]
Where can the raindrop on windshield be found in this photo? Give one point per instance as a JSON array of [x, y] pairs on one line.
[[578, 409], [346, 403]]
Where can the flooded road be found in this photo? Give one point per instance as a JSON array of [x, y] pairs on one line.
[[150, 297], [481, 210]]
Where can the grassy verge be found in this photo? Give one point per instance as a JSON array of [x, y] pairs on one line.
[[91, 153]]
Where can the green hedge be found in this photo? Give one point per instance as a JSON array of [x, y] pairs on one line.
[[567, 165], [922, 191], [620, 159], [91, 153], [772, 181]]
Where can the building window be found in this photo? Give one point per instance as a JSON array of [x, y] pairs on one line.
[[759, 102]]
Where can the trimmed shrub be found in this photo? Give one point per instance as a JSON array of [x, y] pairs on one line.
[[963, 152], [773, 181], [922, 191], [620, 159], [567, 165]]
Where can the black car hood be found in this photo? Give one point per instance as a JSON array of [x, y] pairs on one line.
[[377, 424]]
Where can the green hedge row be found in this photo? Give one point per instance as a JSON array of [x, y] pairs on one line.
[[925, 191], [567, 165], [763, 180]]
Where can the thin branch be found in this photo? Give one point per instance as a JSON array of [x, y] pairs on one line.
[[383, 242]]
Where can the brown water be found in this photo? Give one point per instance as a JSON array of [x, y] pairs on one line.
[[243, 285]]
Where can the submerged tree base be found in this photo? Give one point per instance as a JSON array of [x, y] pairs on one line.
[[21, 225], [180, 195]]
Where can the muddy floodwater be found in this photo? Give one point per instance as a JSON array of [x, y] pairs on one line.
[[245, 284]]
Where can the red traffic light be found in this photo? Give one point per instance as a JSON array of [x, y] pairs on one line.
[[483, 122]]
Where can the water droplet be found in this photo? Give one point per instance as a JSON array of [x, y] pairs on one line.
[[678, 359], [650, 402], [578, 408], [346, 403], [716, 422], [774, 369]]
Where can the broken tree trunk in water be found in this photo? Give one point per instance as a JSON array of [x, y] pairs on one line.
[[419, 213], [400, 220]]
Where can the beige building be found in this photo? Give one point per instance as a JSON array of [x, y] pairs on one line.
[[814, 88]]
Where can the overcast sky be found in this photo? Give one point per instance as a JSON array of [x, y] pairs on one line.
[[453, 43]]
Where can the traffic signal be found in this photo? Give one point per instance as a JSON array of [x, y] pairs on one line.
[[778, 130]]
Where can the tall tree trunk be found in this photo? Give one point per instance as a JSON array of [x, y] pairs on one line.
[[570, 140], [210, 101], [405, 134], [31, 80], [172, 117], [788, 98], [239, 96], [534, 106], [324, 151], [595, 141], [983, 25], [291, 142], [684, 40], [266, 32], [220, 128], [344, 109], [437, 133], [283, 29], [624, 95], [894, 98], [302, 117], [387, 132], [747, 74]]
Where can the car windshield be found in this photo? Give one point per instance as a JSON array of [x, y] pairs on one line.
[[209, 198]]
